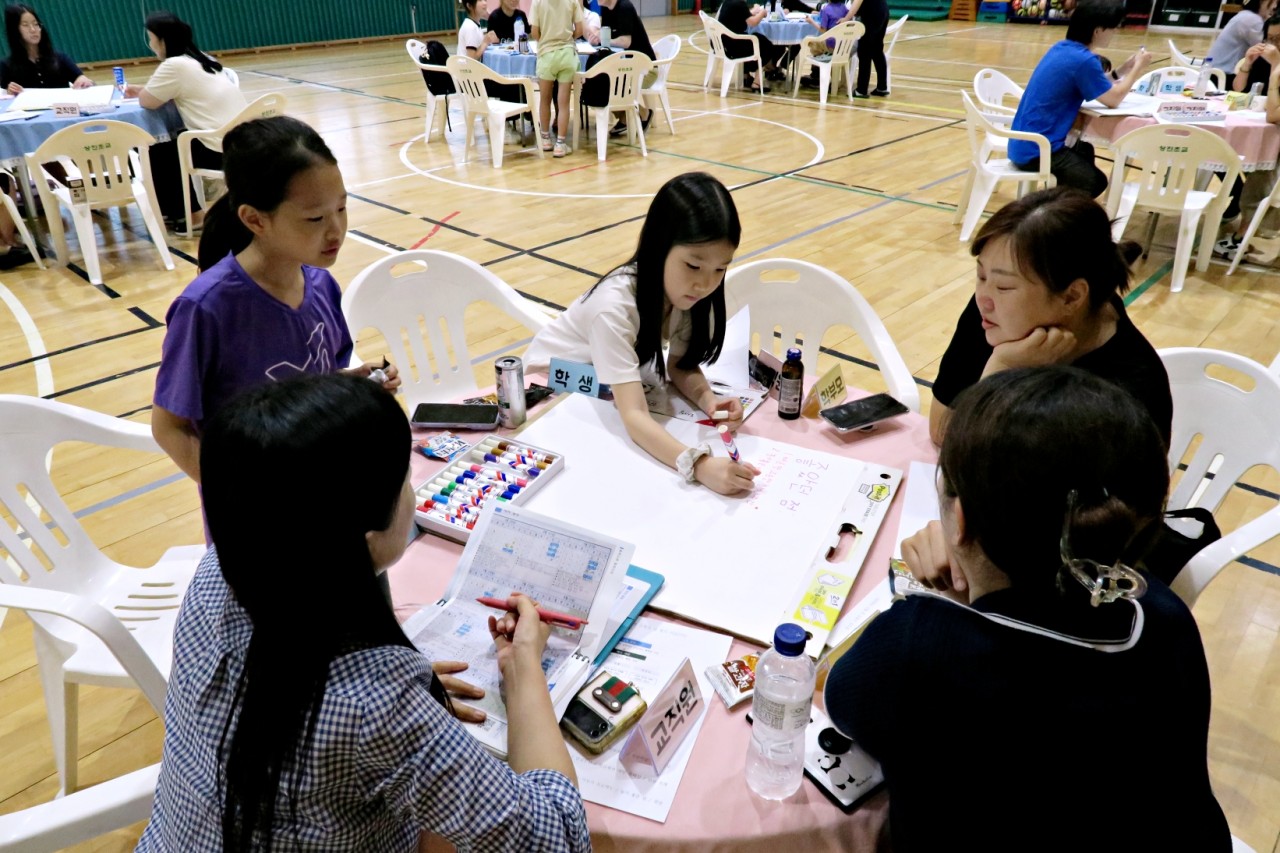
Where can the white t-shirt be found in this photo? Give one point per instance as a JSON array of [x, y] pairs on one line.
[[469, 35], [205, 101], [600, 329]]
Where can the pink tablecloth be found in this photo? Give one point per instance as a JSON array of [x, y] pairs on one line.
[[713, 809], [1256, 140]]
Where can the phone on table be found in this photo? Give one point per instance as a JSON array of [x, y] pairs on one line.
[[603, 709], [861, 414], [456, 415]]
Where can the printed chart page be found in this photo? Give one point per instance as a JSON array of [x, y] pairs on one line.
[[562, 567], [647, 657]]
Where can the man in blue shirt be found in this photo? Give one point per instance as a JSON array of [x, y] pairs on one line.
[[1067, 76]]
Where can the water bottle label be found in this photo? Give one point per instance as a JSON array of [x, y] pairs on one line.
[[786, 717]]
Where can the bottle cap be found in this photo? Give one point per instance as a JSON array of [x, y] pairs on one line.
[[793, 353], [789, 639]]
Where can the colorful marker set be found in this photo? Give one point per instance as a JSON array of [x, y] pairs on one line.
[[494, 469]]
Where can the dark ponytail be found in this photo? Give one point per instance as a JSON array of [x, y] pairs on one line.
[[259, 159]]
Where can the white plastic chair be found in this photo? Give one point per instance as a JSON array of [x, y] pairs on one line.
[[985, 170], [891, 34], [266, 106], [113, 160], [1152, 82], [230, 74], [469, 77], [435, 115], [1180, 59], [840, 57], [115, 803], [1169, 156], [1237, 431], [49, 549], [18, 221], [1272, 201], [625, 71], [716, 34], [804, 302], [427, 306], [992, 87], [666, 49]]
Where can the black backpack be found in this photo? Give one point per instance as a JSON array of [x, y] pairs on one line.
[[595, 92], [437, 84]]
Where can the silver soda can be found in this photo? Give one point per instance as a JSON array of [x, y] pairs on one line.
[[509, 376]]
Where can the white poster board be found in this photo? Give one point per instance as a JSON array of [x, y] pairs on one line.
[[44, 99], [741, 564]]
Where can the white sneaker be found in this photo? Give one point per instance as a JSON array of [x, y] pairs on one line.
[[561, 149], [1227, 247]]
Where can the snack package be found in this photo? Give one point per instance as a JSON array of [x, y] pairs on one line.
[[444, 446], [734, 680]]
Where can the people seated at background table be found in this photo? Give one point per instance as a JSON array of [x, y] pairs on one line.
[[1254, 67], [737, 18], [1048, 292], [205, 97], [282, 736], [471, 39], [556, 26], [590, 23], [874, 15], [824, 19], [1243, 31], [32, 62], [502, 21], [1067, 76], [1040, 700], [627, 32], [264, 306], [671, 291]]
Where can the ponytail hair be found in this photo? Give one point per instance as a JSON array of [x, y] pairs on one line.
[[1060, 235], [178, 40], [259, 160]]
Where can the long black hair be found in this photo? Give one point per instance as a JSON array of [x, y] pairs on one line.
[[255, 454], [1021, 441], [259, 159], [178, 40], [17, 45], [690, 209]]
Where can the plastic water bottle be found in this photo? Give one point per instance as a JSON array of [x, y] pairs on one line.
[[780, 713], [778, 14], [519, 28], [1202, 82]]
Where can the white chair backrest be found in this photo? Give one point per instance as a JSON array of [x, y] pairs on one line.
[[715, 33], [1153, 82], [46, 545], [1236, 426], [1166, 158], [415, 48], [846, 36], [666, 49], [985, 128], [469, 76], [625, 70], [992, 87], [269, 105], [1178, 57], [101, 152], [232, 76], [798, 299], [891, 34], [427, 306]]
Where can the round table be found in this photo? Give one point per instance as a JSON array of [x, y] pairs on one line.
[[22, 136], [785, 32], [508, 62], [1256, 140]]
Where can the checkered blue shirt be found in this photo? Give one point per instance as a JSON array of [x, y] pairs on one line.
[[387, 762]]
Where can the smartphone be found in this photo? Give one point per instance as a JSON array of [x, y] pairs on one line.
[[456, 415], [603, 709], [861, 414]]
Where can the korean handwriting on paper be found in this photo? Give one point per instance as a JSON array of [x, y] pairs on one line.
[[802, 482], [677, 715]]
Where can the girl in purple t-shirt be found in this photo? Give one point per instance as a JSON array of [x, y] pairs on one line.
[[264, 306]]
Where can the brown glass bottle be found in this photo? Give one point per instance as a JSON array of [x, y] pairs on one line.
[[791, 386]]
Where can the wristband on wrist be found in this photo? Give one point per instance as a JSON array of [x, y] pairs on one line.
[[686, 461]]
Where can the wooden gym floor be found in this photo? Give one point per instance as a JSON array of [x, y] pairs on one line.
[[867, 188]]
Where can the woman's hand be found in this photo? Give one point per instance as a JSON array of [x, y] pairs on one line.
[[733, 405], [14, 89], [1043, 346], [724, 476], [132, 90], [82, 82], [1270, 53], [932, 563], [456, 687], [519, 635], [392, 381]]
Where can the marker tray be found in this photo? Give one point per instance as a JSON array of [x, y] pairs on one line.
[[516, 470]]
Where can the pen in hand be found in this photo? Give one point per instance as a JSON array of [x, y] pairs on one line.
[[551, 617]]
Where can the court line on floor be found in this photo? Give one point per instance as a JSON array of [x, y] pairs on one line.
[[35, 343], [151, 324]]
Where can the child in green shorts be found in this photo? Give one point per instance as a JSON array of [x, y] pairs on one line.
[[554, 25]]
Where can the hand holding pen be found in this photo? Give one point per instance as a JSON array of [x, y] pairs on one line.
[[551, 617], [519, 635]]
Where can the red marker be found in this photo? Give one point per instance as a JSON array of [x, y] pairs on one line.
[[551, 617], [729, 444], [718, 415]]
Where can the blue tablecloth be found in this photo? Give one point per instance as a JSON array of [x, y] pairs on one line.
[[509, 63], [21, 136], [784, 32]]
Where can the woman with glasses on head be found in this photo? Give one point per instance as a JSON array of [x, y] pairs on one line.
[[32, 62], [1046, 697]]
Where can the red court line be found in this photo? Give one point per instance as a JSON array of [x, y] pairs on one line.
[[434, 229], [574, 169]]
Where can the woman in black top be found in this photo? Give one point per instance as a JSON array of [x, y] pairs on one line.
[[737, 18], [1049, 698], [874, 15], [502, 21], [32, 62], [1049, 279]]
